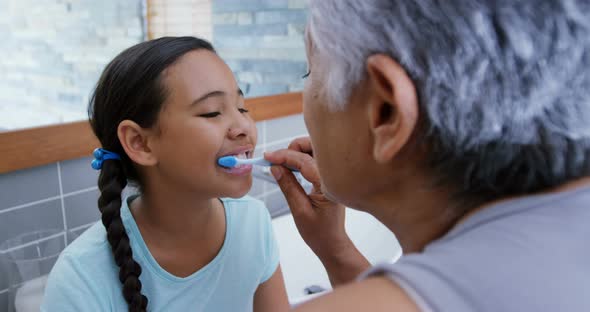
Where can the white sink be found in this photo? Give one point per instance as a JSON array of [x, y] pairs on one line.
[[301, 268]]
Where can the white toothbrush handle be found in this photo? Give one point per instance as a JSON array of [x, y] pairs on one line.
[[260, 161], [254, 161]]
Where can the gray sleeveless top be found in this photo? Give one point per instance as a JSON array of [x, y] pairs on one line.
[[529, 254]]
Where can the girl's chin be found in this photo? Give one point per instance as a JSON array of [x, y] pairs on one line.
[[238, 191]]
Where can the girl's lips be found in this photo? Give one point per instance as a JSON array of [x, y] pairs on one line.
[[241, 170]]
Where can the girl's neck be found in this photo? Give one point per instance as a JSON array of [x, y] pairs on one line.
[[183, 232], [177, 215]]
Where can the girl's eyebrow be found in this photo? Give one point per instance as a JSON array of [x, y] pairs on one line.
[[216, 93]]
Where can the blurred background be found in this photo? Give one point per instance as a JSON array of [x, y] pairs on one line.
[[53, 52]]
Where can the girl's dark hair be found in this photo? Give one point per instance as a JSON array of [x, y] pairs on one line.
[[130, 88]]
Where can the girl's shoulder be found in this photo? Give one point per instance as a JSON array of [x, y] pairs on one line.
[[83, 275], [89, 243], [89, 254]]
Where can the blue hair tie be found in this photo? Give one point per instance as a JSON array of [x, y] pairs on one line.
[[100, 155]]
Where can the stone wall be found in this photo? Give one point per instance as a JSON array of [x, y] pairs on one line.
[[262, 41], [53, 52]]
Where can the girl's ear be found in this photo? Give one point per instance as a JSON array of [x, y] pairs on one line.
[[134, 140]]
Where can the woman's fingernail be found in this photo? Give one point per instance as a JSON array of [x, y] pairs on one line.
[[276, 172]]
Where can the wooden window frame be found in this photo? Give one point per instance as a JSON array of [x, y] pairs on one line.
[[33, 147]]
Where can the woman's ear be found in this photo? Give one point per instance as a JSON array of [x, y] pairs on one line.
[[134, 140], [393, 106]]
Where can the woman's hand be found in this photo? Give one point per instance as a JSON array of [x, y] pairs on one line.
[[319, 220]]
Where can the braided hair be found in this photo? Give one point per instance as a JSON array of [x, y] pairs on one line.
[[130, 88]]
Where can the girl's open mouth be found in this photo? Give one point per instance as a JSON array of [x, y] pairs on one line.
[[240, 170]]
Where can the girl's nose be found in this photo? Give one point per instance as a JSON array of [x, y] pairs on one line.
[[240, 127]]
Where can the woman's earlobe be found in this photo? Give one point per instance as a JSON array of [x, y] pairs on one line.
[[386, 133], [393, 107]]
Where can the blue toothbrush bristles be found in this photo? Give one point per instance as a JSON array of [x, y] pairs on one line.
[[227, 161]]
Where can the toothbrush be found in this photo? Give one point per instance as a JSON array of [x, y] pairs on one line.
[[232, 161]]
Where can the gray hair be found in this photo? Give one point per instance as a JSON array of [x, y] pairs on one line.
[[503, 86]]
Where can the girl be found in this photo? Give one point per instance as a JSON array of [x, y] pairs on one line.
[[164, 111]]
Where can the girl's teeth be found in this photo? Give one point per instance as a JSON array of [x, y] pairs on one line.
[[241, 156]]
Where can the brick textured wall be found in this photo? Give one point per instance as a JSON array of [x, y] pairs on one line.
[[262, 41], [180, 18], [53, 52]]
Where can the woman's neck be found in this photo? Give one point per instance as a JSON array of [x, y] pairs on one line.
[[568, 186], [426, 214], [416, 215]]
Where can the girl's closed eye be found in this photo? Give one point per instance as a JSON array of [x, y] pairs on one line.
[[210, 115], [215, 114]]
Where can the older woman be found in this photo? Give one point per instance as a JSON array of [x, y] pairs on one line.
[[464, 127]]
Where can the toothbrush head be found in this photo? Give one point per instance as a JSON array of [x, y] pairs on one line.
[[227, 161]]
